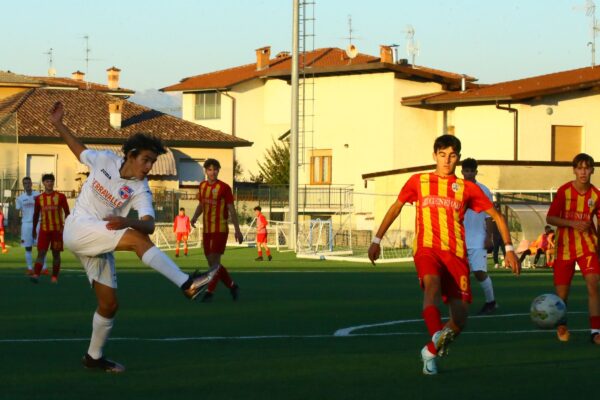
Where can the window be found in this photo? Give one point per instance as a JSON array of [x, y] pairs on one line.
[[566, 142], [320, 167], [208, 105], [190, 172], [40, 164]]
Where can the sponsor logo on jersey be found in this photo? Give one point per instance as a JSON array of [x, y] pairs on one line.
[[106, 174], [455, 187], [444, 202], [577, 216], [125, 192], [590, 203], [105, 195]]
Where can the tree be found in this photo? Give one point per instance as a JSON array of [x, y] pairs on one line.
[[275, 169]]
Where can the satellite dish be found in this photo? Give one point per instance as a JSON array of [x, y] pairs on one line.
[[351, 51]]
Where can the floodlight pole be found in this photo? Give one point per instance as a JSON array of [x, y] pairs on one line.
[[293, 190]]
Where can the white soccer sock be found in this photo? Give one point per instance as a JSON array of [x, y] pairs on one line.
[[29, 259], [163, 264], [488, 289], [101, 328]]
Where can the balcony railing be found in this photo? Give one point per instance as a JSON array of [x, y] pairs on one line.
[[330, 197]]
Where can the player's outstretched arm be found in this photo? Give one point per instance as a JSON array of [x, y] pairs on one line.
[[56, 115], [196, 215], [511, 257], [234, 219], [390, 217]]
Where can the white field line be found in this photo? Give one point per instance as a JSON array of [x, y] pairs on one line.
[[341, 333]]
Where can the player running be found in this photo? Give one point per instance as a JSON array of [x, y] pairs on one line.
[[215, 201], [53, 208], [439, 246], [182, 228], [261, 235], [572, 211], [99, 226], [478, 233]]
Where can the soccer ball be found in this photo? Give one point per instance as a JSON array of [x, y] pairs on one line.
[[547, 311]]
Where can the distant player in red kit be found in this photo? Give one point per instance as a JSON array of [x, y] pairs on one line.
[[440, 253], [182, 228], [261, 235], [53, 209], [215, 201], [572, 211], [2, 244]]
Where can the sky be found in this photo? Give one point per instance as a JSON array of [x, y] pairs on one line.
[[157, 43]]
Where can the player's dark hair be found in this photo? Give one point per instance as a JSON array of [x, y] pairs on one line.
[[445, 141], [182, 209], [257, 208], [211, 162], [26, 178], [469, 163], [142, 141], [583, 158], [48, 177]]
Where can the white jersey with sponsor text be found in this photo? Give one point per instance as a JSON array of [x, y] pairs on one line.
[[105, 193], [475, 223], [26, 203]]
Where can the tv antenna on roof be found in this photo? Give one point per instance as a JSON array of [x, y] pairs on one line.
[[351, 50], [412, 47], [51, 69], [590, 11]]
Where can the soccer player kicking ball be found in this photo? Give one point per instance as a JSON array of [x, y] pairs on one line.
[[98, 226], [215, 201], [478, 232], [261, 235], [182, 228], [440, 253], [572, 211], [53, 209]]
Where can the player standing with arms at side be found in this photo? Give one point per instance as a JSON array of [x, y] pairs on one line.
[[261, 235], [2, 244], [572, 211], [182, 228], [215, 201], [439, 246], [53, 209], [26, 204], [478, 233], [99, 226]]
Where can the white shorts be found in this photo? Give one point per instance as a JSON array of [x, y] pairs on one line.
[[477, 259], [93, 244], [26, 236]]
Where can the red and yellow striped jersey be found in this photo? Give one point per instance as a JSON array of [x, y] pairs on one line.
[[441, 203], [214, 199], [53, 209], [572, 205]]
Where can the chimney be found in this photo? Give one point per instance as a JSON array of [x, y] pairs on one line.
[[113, 77], [463, 83], [115, 109], [77, 75], [386, 54], [51, 72], [262, 57]]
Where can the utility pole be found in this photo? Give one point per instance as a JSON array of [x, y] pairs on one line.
[[293, 190]]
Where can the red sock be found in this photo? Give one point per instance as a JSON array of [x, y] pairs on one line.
[[433, 319], [3, 246], [185, 249], [37, 268], [268, 252], [177, 248], [595, 322], [225, 278], [260, 253], [212, 285], [55, 270]]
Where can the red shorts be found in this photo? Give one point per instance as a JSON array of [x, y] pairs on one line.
[[565, 269], [2, 231], [261, 237], [53, 240], [182, 236], [452, 270], [214, 243]]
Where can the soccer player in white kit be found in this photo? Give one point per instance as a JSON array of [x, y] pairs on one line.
[[98, 226], [25, 203], [478, 231]]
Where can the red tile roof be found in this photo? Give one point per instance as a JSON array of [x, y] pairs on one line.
[[83, 85], [514, 91], [87, 115], [321, 61]]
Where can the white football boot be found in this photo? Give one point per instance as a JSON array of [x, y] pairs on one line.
[[429, 364]]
